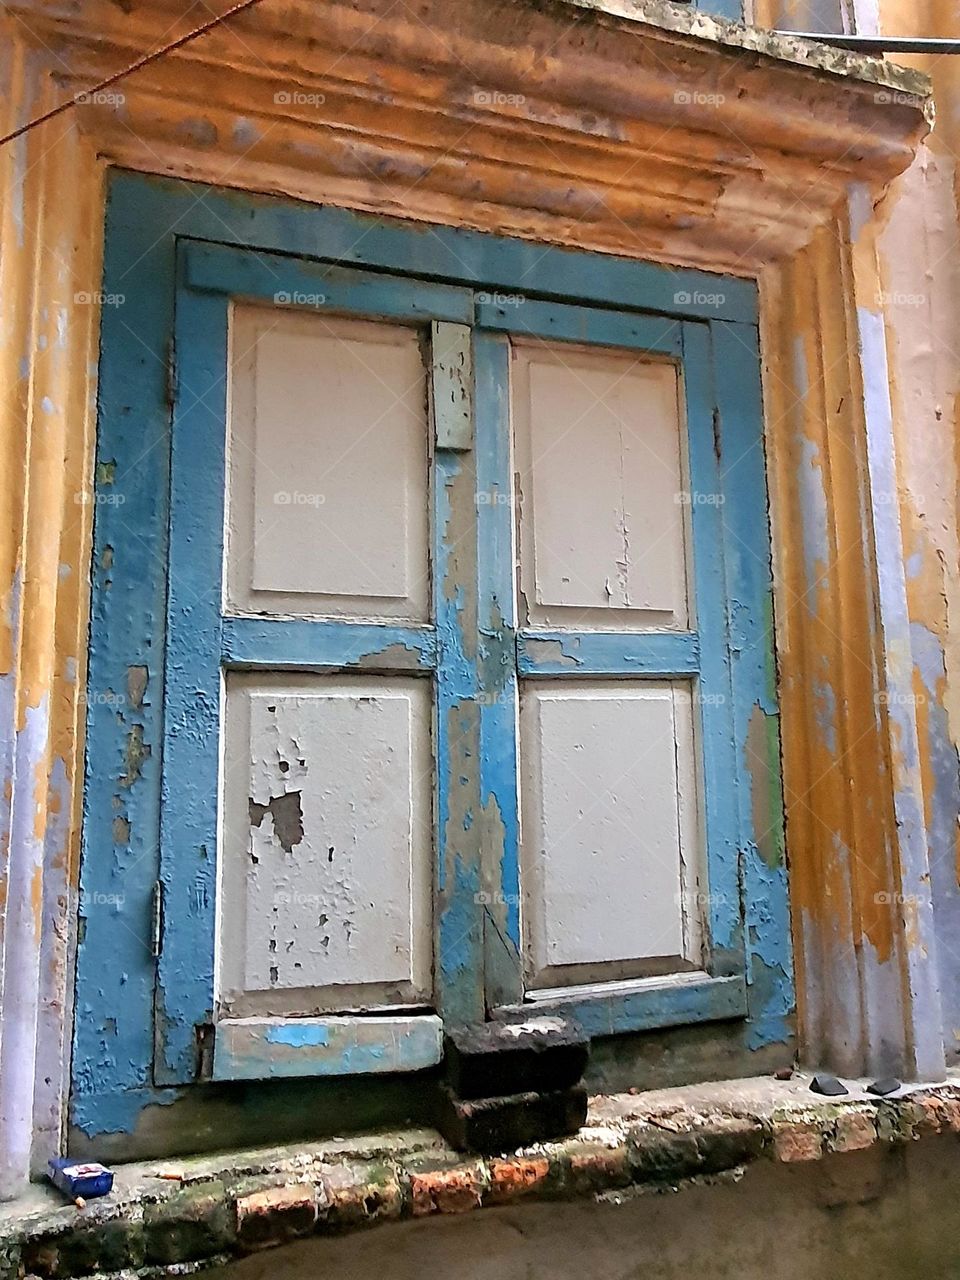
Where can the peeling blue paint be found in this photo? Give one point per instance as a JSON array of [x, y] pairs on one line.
[[298, 1035], [116, 998], [771, 995]]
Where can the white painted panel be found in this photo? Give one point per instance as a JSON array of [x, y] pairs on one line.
[[610, 841], [326, 858], [600, 455], [328, 504]]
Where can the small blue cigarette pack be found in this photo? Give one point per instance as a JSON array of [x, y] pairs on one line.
[[76, 1178]]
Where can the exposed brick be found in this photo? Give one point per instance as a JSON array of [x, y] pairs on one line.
[[794, 1142], [453, 1189], [729, 1141], [358, 1194], [912, 1118], [243, 1211], [595, 1167], [951, 1113], [195, 1223], [932, 1119], [659, 1155], [514, 1179], [854, 1131], [276, 1215], [896, 1122]]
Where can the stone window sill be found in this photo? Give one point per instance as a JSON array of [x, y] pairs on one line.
[[201, 1212]]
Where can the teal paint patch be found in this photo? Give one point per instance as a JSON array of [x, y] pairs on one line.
[[548, 653], [363, 1059], [730, 9], [250, 643], [768, 955], [650, 1008], [341, 1045], [298, 1036], [117, 1111]]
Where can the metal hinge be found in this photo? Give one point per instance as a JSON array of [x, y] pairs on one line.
[[156, 920], [171, 367]]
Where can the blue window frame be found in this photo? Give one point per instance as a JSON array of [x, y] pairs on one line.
[[146, 1008]]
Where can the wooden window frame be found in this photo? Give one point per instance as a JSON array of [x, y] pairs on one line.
[[154, 245]]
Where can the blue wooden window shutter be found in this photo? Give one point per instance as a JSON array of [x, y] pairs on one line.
[[159, 609]]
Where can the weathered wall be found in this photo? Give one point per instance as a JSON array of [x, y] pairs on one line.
[[49, 277], [600, 157], [891, 1217], [919, 258]]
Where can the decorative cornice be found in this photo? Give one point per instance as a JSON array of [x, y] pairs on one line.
[[632, 126]]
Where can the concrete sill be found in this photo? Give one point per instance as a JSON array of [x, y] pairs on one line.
[[224, 1207]]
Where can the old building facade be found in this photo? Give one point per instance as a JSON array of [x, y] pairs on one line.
[[483, 540]]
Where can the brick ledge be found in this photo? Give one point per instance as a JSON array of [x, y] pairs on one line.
[[225, 1207]]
